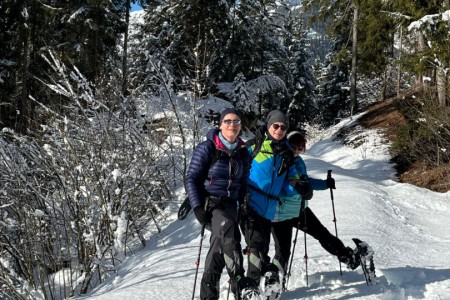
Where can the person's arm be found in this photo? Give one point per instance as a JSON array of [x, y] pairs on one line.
[[247, 161], [317, 184], [198, 173], [300, 170]]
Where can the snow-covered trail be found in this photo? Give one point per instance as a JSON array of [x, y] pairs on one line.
[[408, 227]]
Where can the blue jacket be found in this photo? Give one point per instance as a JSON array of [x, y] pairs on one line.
[[271, 168], [290, 199], [226, 177]]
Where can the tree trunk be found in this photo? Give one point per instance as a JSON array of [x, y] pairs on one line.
[[400, 49], [420, 48], [23, 105], [353, 96], [125, 48], [441, 85]]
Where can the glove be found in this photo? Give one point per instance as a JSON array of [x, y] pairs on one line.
[[201, 215], [331, 184], [304, 188], [244, 205]]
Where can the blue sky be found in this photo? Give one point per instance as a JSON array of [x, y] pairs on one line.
[[135, 7]]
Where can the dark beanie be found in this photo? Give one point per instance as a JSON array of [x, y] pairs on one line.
[[277, 116], [296, 138], [230, 110]]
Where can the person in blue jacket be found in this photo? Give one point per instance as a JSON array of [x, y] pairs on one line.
[[218, 172], [290, 216], [271, 169]]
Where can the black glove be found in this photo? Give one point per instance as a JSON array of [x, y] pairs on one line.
[[244, 206], [304, 188], [202, 215], [331, 184]]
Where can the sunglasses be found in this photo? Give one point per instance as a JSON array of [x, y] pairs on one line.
[[282, 127], [298, 148], [235, 121]]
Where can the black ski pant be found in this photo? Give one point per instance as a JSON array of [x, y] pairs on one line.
[[257, 236], [225, 247], [309, 223]]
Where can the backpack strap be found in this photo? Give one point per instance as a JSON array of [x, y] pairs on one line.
[[257, 141], [259, 191]]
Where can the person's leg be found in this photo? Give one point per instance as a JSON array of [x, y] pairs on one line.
[[282, 237], [257, 235], [312, 226], [214, 264], [226, 245], [231, 239]]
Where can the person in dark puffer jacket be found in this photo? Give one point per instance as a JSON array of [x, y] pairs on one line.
[[219, 172]]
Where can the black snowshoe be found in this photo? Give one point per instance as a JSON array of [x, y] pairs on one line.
[[184, 209], [246, 289], [364, 256]]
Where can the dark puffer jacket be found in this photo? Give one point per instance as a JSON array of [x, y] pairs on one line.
[[227, 177]]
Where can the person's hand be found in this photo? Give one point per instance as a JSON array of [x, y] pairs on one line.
[[304, 188], [244, 206], [331, 184], [201, 215]]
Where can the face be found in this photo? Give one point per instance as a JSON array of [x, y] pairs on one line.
[[278, 130], [229, 127], [298, 150]]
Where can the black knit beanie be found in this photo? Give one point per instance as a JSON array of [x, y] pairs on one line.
[[277, 116], [230, 110], [296, 138]]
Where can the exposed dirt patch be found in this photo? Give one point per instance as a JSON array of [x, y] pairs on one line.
[[384, 115]]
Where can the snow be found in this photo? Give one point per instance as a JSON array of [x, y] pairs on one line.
[[429, 20], [406, 226]]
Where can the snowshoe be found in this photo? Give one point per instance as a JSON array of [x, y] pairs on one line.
[[184, 209], [246, 289], [365, 254], [271, 286], [250, 294]]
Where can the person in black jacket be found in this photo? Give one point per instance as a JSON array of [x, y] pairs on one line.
[[219, 172]]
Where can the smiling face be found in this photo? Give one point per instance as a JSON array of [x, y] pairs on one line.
[[230, 127], [278, 130]]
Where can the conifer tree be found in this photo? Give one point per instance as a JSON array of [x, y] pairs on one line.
[[200, 30], [301, 83]]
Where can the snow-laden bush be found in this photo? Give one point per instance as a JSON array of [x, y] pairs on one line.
[[74, 196]]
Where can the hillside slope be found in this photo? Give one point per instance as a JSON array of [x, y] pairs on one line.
[[385, 116]]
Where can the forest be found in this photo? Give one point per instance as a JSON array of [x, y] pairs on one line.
[[99, 114]]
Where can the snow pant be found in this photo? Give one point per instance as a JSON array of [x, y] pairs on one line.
[[309, 223], [225, 247], [257, 236]]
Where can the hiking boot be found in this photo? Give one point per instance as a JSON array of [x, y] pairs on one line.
[[351, 258]]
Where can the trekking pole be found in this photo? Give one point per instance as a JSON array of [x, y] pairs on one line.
[[302, 208], [334, 215], [306, 249], [197, 262]]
